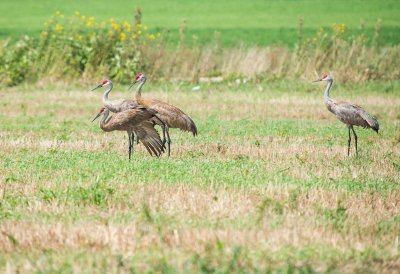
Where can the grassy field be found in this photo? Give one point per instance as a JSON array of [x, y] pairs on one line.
[[252, 22], [265, 186]]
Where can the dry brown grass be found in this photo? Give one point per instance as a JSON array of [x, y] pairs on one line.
[[351, 63], [192, 204], [204, 216]]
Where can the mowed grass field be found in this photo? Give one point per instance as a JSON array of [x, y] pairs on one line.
[[266, 185], [256, 22]]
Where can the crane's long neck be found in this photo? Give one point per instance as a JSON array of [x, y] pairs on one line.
[[104, 121], [138, 93], [105, 95], [327, 99]]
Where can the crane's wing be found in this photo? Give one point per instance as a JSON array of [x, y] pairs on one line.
[[371, 120], [150, 138], [133, 116], [173, 116], [119, 105], [355, 115]]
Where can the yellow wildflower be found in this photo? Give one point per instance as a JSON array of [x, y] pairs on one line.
[[145, 27], [77, 13], [83, 17], [138, 26], [127, 26], [158, 34], [90, 22], [133, 36], [110, 33], [115, 26], [58, 27], [44, 33], [151, 36], [342, 28], [139, 32], [103, 24], [122, 36]]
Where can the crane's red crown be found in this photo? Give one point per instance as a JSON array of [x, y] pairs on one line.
[[137, 76], [323, 77], [104, 82], [102, 109]]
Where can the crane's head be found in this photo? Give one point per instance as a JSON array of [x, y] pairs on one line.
[[138, 78], [324, 78], [104, 83], [101, 111]]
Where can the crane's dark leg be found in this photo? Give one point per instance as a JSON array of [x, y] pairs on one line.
[[133, 140], [355, 137], [163, 126], [129, 145], [349, 141], [168, 140]]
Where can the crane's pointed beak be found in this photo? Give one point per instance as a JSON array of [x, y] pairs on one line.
[[131, 85], [99, 86], [318, 80], [97, 116]]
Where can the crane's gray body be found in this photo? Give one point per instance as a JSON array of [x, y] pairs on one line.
[[349, 114], [134, 120]]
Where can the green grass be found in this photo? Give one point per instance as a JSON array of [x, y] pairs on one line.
[[265, 186], [253, 22]]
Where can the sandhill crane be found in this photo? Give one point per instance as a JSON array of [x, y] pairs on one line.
[[172, 116], [125, 104], [349, 114], [134, 120]]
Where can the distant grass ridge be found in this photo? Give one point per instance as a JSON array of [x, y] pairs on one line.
[[253, 23]]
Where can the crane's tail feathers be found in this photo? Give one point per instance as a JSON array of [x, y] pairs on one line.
[[372, 121], [189, 125]]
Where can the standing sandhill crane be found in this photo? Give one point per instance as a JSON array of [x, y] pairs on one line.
[[171, 115], [125, 104], [134, 120], [347, 113]]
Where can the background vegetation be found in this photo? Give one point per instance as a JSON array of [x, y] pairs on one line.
[[266, 186], [78, 47]]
